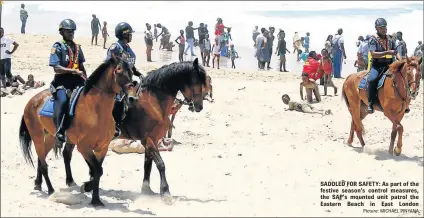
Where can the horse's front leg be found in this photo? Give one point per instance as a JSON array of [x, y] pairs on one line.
[[392, 138], [398, 148], [67, 157], [164, 187], [148, 161], [94, 160]]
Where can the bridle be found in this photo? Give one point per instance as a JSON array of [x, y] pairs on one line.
[[406, 85], [125, 87]]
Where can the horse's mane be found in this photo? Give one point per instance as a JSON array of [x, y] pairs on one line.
[[95, 76], [180, 73], [395, 67]]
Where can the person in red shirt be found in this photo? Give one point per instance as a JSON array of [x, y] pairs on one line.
[[326, 66], [219, 31], [312, 66]]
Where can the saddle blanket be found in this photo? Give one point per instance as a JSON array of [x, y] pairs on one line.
[[48, 107], [363, 84]]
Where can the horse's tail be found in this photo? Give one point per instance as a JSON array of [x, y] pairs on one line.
[[346, 99], [25, 141]]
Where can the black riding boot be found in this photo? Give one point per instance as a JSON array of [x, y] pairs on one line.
[[60, 130], [118, 112], [371, 97]]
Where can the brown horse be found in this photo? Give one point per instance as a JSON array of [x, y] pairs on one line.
[[93, 110], [149, 120], [400, 86]]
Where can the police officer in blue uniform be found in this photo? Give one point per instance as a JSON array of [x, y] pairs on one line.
[[123, 32], [67, 60], [382, 48]]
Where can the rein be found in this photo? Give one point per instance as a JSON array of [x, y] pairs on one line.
[[407, 86]]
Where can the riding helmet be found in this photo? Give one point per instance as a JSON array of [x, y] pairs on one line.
[[380, 22], [67, 24], [122, 28]]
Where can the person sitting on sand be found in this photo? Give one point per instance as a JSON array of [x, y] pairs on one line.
[[311, 87], [14, 81], [305, 108], [31, 83]]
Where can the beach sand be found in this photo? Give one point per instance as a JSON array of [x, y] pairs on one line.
[[243, 155]]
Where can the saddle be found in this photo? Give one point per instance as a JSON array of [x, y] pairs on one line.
[[363, 84], [73, 96]]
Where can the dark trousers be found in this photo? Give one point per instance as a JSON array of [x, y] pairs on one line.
[[5, 71], [373, 77], [61, 107], [23, 26]]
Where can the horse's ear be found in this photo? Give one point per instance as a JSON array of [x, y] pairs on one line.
[[420, 61], [196, 63], [408, 60]]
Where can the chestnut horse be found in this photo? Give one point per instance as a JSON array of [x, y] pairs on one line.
[[149, 120], [401, 84], [92, 126]]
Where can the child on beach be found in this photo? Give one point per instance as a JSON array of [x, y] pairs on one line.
[[234, 55], [181, 45], [216, 53], [105, 34], [207, 50], [305, 108], [31, 83], [326, 66]]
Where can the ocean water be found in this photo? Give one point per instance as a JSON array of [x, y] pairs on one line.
[[320, 18]]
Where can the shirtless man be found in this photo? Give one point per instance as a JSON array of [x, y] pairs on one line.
[[311, 87], [305, 108]]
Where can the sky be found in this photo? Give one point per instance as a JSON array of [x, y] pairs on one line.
[[318, 18]]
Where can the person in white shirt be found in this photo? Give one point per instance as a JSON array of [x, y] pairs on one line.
[[216, 53], [5, 55]]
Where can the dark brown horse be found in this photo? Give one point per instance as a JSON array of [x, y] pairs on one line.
[[149, 120], [400, 86], [92, 126]]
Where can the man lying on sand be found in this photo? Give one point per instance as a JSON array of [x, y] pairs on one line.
[[305, 108]]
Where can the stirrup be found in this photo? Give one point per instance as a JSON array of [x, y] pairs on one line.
[[370, 109], [117, 132]]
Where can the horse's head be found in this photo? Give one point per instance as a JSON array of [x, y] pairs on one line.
[[414, 71], [122, 75], [410, 74], [193, 91]]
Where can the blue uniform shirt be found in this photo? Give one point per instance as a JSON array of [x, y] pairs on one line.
[[119, 48], [377, 46], [60, 55]]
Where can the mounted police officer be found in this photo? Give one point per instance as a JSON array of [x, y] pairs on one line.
[[123, 32], [382, 48], [67, 60]]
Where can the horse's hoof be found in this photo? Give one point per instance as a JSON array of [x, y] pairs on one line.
[[167, 199], [397, 151], [37, 187], [391, 152], [97, 203], [146, 190], [71, 184], [51, 192]]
